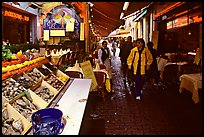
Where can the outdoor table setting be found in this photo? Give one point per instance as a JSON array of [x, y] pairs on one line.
[[55, 56], [97, 68], [191, 82]]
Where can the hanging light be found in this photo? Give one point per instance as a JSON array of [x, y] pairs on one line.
[[125, 6], [121, 15]]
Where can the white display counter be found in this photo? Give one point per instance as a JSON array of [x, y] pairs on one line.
[[73, 104]]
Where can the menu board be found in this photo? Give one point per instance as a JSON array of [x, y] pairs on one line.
[[89, 74], [57, 32]]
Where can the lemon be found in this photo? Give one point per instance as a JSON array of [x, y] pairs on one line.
[[18, 65], [4, 69], [9, 68], [13, 56]]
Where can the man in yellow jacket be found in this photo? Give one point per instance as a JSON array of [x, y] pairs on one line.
[[140, 59]]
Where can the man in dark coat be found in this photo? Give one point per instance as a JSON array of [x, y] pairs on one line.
[[124, 53]]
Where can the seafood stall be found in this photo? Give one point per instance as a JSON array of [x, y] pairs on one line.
[[32, 84]]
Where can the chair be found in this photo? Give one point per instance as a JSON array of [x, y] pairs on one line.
[[101, 80], [102, 66], [62, 60], [170, 74], [74, 74]]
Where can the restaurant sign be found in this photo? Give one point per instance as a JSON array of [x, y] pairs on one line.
[[15, 15]]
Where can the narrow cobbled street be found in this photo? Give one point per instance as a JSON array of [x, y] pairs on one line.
[[160, 112]]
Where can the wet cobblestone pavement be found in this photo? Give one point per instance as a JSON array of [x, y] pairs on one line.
[[159, 112]]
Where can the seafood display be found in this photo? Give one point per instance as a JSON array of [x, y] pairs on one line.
[[10, 126], [54, 82], [44, 93], [44, 71], [11, 89], [51, 67], [36, 76], [25, 107], [26, 93], [25, 82]]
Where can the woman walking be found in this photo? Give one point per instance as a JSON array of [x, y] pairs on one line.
[[140, 59]]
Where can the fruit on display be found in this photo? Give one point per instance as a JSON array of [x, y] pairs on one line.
[[54, 82], [19, 54], [62, 78], [21, 67], [13, 56]]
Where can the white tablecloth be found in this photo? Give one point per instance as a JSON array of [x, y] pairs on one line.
[[191, 82]]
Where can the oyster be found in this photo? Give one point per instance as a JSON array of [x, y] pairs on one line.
[[18, 125], [5, 114], [21, 103]]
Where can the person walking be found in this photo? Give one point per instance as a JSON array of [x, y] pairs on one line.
[[125, 49], [142, 61], [104, 54], [153, 73]]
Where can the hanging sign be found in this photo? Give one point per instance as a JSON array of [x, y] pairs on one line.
[[46, 35], [15, 15], [81, 31], [57, 32], [70, 26]]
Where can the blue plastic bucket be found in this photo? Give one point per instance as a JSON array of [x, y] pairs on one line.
[[47, 122]]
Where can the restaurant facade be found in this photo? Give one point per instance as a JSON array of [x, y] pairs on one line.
[[21, 20]]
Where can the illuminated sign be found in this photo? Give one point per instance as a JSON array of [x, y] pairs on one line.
[[15, 15]]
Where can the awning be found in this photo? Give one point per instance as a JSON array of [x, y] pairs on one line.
[[140, 15], [119, 33], [123, 31]]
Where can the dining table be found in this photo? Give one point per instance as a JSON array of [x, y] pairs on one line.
[[108, 77], [192, 83]]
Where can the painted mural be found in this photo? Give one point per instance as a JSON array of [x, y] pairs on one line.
[[60, 16]]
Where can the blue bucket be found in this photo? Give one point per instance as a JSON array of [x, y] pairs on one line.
[[47, 122]]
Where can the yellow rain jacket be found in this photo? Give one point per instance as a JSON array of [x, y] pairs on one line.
[[146, 59]]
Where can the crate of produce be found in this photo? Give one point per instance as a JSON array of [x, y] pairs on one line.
[[54, 82], [13, 123], [46, 92], [63, 77]]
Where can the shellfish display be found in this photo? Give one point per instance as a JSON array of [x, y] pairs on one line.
[[36, 76], [10, 126], [24, 107], [44, 93], [54, 82], [25, 82], [11, 89]]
